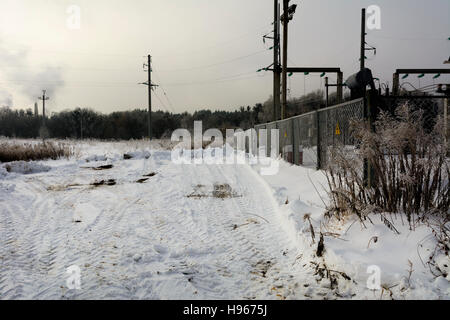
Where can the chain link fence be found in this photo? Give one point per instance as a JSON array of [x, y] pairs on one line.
[[306, 139]]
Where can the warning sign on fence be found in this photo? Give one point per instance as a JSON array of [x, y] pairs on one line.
[[338, 129]]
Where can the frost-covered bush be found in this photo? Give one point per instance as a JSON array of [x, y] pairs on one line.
[[409, 166]]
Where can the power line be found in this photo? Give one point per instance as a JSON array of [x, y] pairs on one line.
[[220, 44], [168, 100], [65, 68], [87, 83], [131, 84], [169, 70], [443, 38], [160, 86], [130, 55], [218, 80], [162, 103], [216, 64]]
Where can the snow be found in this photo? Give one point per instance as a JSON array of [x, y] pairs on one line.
[[3, 172], [151, 240], [352, 249], [85, 213]]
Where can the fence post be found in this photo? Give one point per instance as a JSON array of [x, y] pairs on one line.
[[319, 148], [294, 149]]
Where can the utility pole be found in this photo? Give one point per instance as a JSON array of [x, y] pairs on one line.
[[276, 63], [285, 47], [288, 15], [43, 98], [150, 87], [149, 65], [363, 38], [326, 90]]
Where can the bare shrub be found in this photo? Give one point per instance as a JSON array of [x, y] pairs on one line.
[[31, 152], [409, 167]]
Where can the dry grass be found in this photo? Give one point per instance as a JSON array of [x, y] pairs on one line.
[[31, 152], [410, 169]]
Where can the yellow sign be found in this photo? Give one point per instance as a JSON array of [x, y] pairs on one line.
[[285, 134], [338, 130]]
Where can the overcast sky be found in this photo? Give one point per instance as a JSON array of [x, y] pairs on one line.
[[205, 52]]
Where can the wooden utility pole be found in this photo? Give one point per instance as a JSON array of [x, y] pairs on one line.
[[150, 87], [285, 48], [276, 63], [149, 97], [43, 98]]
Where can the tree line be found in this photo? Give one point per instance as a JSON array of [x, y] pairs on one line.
[[84, 123]]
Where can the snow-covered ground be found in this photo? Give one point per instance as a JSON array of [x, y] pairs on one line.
[[191, 232]]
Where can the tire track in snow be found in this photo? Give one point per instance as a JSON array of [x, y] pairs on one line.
[[279, 275], [245, 250], [153, 240], [253, 248], [219, 233]]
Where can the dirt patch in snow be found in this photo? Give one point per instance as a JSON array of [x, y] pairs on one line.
[[219, 191], [248, 222], [105, 167], [110, 182], [222, 191], [137, 155], [146, 177], [63, 187], [262, 267], [150, 174]]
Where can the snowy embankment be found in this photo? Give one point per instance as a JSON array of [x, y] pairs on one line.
[[142, 227], [358, 249]]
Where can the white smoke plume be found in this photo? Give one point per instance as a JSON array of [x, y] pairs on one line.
[[5, 98], [30, 81]]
